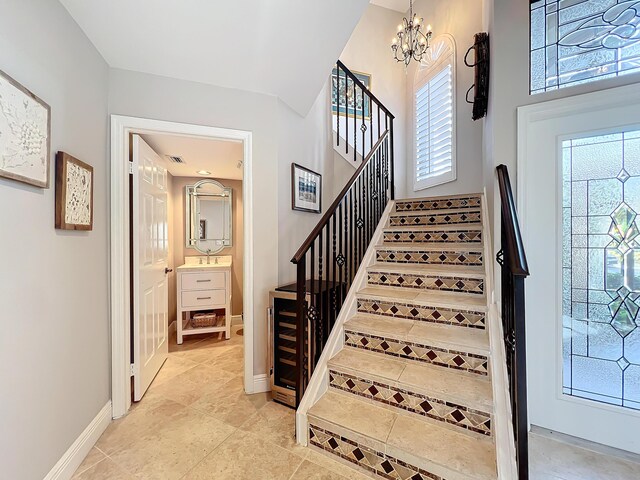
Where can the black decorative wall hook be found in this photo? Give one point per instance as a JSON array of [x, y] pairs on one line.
[[481, 86]]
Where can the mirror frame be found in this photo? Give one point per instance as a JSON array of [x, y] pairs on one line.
[[190, 198]]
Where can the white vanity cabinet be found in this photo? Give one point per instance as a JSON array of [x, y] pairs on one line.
[[203, 286]]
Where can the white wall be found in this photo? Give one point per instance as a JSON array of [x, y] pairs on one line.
[[161, 98], [54, 347], [462, 19], [369, 51]]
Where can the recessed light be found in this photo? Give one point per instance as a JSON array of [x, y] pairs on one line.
[[203, 172]]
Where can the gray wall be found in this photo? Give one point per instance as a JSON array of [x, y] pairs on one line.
[[54, 347], [461, 19]]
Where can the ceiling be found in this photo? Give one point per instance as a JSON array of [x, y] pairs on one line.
[[398, 5], [220, 157], [278, 47]]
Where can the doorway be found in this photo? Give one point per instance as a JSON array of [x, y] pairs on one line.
[[124, 130], [578, 198]]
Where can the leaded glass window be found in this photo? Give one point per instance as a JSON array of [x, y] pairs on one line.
[[579, 41], [601, 268]]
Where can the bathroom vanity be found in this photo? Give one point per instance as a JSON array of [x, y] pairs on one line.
[[203, 286], [204, 282]]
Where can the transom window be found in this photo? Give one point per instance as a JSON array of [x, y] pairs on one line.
[[580, 41], [434, 117]]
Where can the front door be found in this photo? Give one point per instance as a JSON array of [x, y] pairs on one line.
[[579, 200], [150, 267]]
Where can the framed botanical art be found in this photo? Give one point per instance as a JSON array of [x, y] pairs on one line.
[[306, 189], [343, 100], [74, 193], [25, 134]]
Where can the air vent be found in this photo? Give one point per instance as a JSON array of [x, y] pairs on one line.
[[175, 159]]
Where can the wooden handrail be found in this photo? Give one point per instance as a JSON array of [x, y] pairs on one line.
[[332, 209], [516, 258], [363, 87]]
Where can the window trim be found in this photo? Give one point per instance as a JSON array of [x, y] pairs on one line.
[[441, 53]]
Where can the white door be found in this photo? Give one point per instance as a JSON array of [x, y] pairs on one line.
[[150, 267], [578, 196]]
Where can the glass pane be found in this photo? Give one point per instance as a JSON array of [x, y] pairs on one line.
[[574, 42], [601, 267]]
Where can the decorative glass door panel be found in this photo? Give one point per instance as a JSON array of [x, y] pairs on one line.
[[601, 268]]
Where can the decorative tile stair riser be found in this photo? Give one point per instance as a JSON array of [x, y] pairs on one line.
[[468, 362], [436, 409], [438, 204], [471, 216], [428, 282], [365, 457], [429, 257], [448, 316], [413, 236]]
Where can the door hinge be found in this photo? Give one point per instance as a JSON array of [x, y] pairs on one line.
[[130, 168], [132, 369]]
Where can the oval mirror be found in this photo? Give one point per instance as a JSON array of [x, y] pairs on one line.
[[208, 216]]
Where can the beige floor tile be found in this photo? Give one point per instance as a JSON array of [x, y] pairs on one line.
[[312, 471], [106, 469], [93, 457], [148, 416], [171, 450], [336, 466], [244, 456], [275, 423], [208, 354], [190, 386], [554, 458], [173, 366], [230, 404]]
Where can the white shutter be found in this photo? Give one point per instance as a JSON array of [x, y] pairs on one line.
[[434, 126]]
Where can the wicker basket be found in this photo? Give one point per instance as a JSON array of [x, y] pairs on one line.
[[203, 320]]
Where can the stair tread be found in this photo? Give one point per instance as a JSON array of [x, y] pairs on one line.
[[426, 213], [449, 385], [445, 299], [429, 269], [439, 198], [434, 228], [450, 337], [432, 247], [437, 449]]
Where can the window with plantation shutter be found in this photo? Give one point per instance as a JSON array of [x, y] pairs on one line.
[[434, 119]]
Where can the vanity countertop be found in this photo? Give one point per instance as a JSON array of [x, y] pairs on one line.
[[193, 263]]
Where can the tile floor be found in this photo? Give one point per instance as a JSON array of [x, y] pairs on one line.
[[196, 423]]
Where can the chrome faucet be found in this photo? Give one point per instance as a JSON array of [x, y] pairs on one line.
[[208, 255]]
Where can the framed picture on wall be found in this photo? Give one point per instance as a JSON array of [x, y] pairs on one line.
[[306, 189], [74, 193], [343, 100], [25, 134]]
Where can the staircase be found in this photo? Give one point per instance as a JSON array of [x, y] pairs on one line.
[[406, 391]]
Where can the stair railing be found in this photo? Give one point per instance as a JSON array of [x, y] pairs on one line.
[[513, 261], [329, 258]]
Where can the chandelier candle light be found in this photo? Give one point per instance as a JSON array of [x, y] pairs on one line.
[[410, 41]]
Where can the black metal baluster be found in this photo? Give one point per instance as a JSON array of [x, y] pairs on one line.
[[363, 126], [334, 298], [314, 350], [346, 111], [371, 123], [319, 291], [300, 321], [337, 106], [356, 233], [379, 133], [355, 127], [327, 290], [340, 258]]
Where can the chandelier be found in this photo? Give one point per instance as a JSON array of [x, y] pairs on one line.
[[411, 42]]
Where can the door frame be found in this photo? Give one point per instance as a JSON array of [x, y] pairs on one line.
[[595, 104], [121, 127]]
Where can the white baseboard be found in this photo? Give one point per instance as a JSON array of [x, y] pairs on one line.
[[236, 320], [73, 457], [261, 383]]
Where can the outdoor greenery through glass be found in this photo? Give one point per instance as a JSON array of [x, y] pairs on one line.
[[579, 41], [601, 268]]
